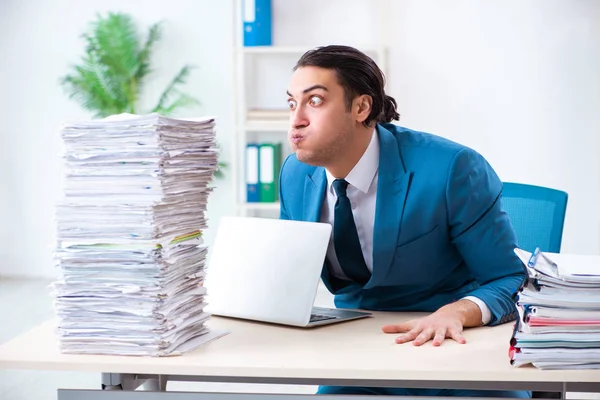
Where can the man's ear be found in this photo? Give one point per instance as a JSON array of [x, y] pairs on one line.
[[362, 105]]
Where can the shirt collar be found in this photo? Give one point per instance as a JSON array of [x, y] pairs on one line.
[[361, 176]]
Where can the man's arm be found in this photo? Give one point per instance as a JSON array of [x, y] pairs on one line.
[[486, 314], [467, 312], [482, 233]]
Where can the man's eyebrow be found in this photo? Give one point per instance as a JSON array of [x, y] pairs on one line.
[[313, 87]]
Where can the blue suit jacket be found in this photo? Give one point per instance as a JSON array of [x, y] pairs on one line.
[[439, 232]]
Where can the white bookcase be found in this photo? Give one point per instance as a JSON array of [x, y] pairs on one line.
[[261, 78]]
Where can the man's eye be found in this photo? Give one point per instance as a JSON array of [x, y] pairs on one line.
[[315, 101], [291, 104]]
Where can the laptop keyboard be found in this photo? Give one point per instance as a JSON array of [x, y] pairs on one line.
[[320, 317]]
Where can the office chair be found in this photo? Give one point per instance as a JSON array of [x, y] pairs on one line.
[[537, 215]]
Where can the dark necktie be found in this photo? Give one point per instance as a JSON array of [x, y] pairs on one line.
[[345, 237]]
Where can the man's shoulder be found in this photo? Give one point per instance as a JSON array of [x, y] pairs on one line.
[[423, 140], [419, 147]]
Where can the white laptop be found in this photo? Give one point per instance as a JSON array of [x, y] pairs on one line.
[[268, 270]]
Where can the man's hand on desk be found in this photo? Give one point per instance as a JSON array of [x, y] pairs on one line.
[[447, 322]]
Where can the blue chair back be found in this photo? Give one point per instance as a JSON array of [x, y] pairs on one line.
[[537, 215]]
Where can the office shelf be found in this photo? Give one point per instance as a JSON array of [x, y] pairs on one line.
[[267, 126]]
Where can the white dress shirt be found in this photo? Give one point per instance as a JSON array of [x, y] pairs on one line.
[[362, 192]]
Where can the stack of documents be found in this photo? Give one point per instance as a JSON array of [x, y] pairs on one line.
[[129, 227], [559, 312]]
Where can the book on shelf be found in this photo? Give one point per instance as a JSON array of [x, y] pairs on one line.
[[263, 164], [257, 23]]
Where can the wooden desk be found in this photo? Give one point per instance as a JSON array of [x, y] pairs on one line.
[[350, 353]]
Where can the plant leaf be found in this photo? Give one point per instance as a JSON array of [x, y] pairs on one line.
[[179, 79], [115, 42], [88, 85], [218, 174], [104, 81], [154, 35], [182, 101]]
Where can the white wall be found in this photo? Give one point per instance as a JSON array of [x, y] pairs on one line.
[[517, 81]]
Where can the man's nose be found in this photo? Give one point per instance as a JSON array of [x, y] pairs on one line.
[[299, 118]]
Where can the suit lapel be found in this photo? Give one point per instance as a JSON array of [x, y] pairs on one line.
[[392, 188], [315, 184]]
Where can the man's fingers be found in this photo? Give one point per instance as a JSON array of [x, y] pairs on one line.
[[457, 336], [423, 336], [399, 328], [407, 337], [420, 332], [440, 335]]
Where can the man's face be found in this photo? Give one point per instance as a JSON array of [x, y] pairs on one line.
[[320, 126]]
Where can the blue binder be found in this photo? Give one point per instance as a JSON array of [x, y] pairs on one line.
[[257, 22], [252, 171]]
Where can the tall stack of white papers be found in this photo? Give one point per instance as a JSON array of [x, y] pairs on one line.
[[559, 312], [129, 227]]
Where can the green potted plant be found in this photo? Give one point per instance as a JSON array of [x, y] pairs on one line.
[[114, 68]]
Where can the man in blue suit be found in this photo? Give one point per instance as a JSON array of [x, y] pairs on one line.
[[417, 219]]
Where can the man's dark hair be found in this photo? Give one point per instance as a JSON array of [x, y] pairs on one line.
[[358, 74]]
